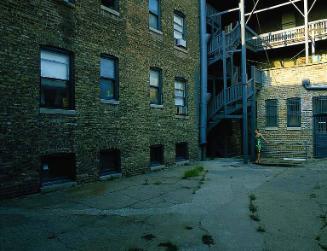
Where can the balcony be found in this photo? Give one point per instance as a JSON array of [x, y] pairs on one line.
[[288, 37]]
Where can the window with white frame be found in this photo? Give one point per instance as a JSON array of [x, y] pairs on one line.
[[179, 26], [180, 97], [154, 14], [155, 86], [108, 78], [56, 84]]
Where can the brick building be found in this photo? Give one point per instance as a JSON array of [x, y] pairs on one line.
[[286, 47], [94, 89]]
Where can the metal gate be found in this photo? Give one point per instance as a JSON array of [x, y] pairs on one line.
[[320, 126]]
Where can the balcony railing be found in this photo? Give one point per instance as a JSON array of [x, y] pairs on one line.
[[292, 36]]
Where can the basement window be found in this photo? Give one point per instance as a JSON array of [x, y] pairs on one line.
[[156, 155], [110, 162], [57, 168], [181, 151]]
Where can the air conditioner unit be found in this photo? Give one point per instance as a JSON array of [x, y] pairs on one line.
[[181, 43]]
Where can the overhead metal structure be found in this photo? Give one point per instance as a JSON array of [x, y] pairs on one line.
[[243, 23]]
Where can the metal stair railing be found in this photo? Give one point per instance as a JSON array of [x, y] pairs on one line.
[[232, 39]]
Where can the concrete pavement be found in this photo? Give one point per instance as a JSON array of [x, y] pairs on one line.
[[162, 211]]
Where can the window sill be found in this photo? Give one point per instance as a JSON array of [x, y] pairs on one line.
[[159, 32], [157, 167], [294, 128], [111, 101], [182, 49], [111, 11], [110, 176], [271, 128], [57, 111], [156, 106], [180, 116]]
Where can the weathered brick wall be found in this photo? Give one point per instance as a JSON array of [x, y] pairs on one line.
[[283, 83], [131, 126]]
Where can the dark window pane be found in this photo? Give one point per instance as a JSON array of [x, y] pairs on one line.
[[110, 162], [113, 4], [54, 93], [294, 112], [271, 113], [181, 151], [107, 89], [57, 168], [156, 155], [153, 21], [154, 95]]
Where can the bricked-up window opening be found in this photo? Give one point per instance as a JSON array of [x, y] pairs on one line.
[[154, 14], [156, 155], [56, 80], [57, 168], [110, 162], [181, 151], [155, 86], [112, 4], [271, 113], [109, 78], [180, 97], [179, 26], [294, 112]]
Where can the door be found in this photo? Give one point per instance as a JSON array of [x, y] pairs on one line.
[[320, 126]]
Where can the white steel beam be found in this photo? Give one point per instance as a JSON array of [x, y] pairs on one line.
[[273, 7], [306, 29]]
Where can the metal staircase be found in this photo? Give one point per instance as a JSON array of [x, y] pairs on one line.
[[227, 104]]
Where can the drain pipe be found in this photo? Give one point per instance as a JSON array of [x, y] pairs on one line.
[[204, 78]]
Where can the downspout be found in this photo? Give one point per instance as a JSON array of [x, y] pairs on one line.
[[204, 78], [308, 86]]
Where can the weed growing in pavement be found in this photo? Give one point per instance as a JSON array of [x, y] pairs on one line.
[[208, 240], [254, 217], [261, 229], [169, 246], [252, 197], [194, 172]]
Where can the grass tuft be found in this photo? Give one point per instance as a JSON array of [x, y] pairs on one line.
[[252, 196], [194, 172]]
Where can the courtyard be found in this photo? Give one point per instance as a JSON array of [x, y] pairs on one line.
[[220, 204]]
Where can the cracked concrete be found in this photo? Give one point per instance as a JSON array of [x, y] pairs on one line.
[[116, 215]]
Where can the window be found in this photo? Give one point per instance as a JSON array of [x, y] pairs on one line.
[[110, 162], [56, 83], [181, 151], [112, 4], [154, 14], [179, 27], [57, 168], [180, 97], [70, 1], [155, 87], [271, 113], [294, 112], [156, 155], [108, 78]]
